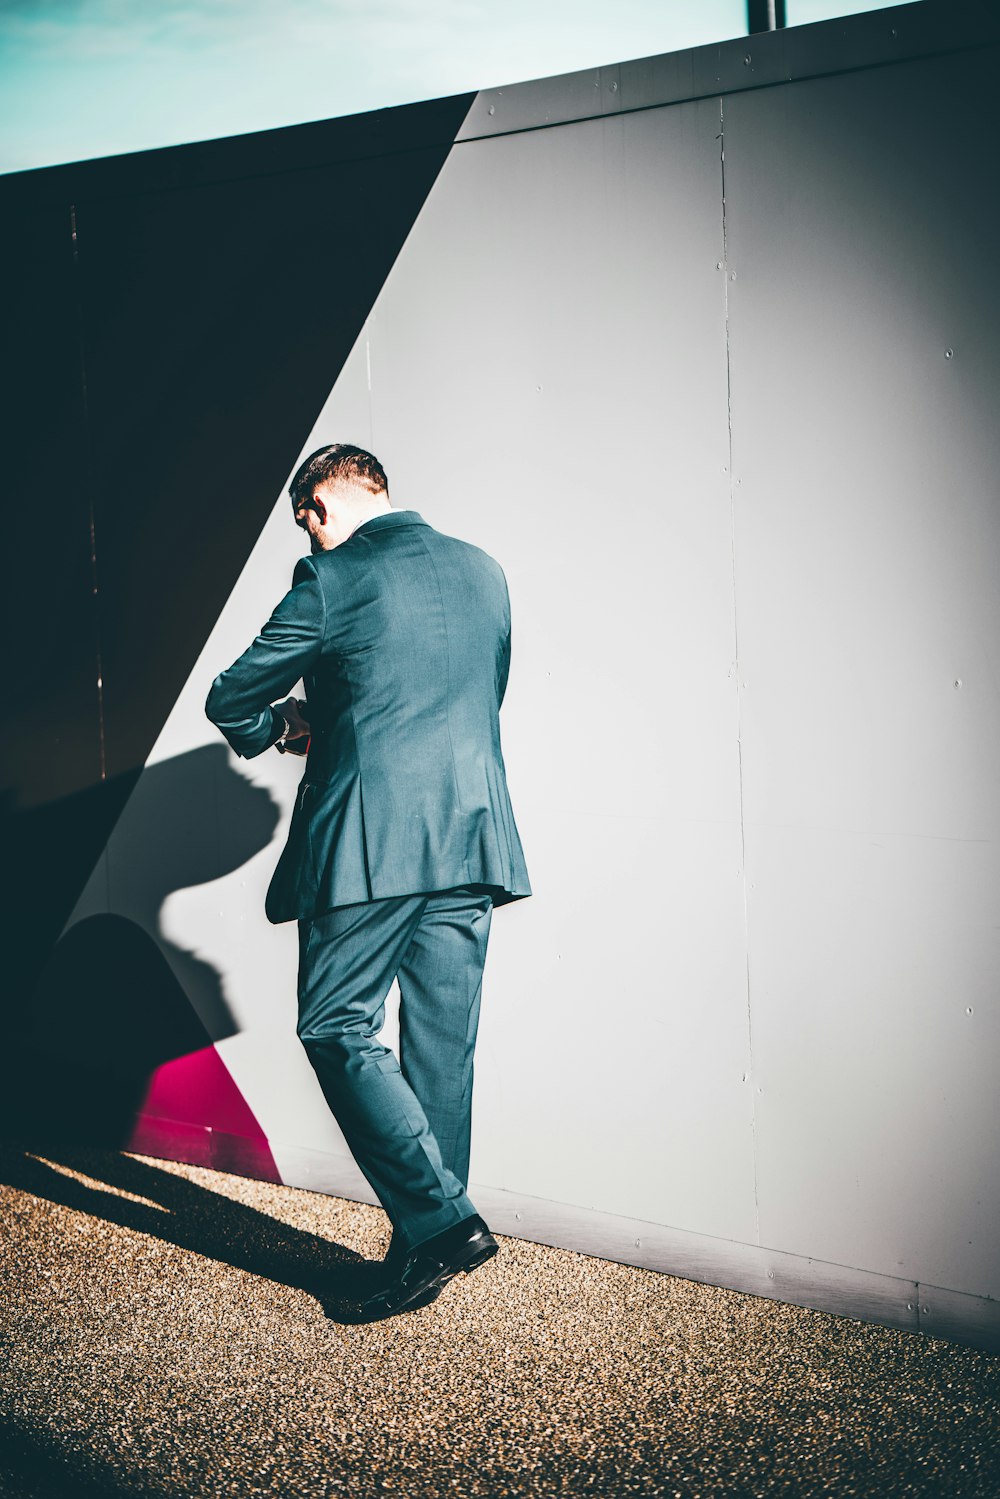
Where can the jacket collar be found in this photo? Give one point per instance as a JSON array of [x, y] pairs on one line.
[[391, 518]]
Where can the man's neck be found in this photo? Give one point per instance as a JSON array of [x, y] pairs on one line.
[[366, 512], [344, 522]]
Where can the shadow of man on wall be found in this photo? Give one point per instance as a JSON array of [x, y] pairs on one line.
[[115, 1001], [116, 998]]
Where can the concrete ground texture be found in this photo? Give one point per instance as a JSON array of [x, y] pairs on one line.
[[167, 1330]]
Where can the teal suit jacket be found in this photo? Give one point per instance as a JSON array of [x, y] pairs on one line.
[[402, 637]]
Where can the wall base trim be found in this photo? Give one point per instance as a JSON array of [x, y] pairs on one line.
[[863, 1295]]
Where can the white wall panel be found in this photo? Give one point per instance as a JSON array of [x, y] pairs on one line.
[[867, 541]]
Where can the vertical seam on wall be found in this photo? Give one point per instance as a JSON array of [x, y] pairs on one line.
[[91, 520], [369, 326], [736, 644]]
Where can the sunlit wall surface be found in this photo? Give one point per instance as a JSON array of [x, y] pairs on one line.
[[699, 348]]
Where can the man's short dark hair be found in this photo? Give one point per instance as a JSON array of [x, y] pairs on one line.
[[337, 461]]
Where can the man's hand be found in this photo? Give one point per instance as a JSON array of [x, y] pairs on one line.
[[292, 711], [296, 741]]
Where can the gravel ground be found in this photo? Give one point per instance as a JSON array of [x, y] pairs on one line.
[[165, 1331]]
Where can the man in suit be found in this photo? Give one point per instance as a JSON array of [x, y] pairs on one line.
[[402, 839]]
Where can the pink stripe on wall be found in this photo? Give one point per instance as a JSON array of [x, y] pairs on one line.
[[194, 1112]]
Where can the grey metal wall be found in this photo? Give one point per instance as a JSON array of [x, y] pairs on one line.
[[866, 536], [710, 367]]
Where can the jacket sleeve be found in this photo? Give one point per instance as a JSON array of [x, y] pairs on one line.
[[239, 700]]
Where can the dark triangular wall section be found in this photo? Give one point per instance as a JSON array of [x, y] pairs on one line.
[[174, 322]]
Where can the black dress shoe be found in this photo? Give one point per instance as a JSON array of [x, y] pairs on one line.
[[388, 1270], [430, 1265], [424, 1300]]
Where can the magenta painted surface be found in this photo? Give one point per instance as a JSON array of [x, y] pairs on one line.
[[193, 1111]]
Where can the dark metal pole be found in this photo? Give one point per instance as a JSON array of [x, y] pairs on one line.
[[765, 15]]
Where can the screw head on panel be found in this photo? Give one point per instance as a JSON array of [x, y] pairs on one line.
[[958, 682], [747, 60], [492, 110], [949, 353]]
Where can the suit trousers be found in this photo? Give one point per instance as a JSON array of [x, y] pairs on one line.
[[408, 1122]]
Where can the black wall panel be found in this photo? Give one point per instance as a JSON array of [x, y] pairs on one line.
[[50, 742]]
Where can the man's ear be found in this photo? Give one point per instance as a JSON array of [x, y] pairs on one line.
[[320, 509]]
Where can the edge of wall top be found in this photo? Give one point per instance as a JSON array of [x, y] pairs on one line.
[[872, 39]]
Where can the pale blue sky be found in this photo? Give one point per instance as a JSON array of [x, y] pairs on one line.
[[83, 78]]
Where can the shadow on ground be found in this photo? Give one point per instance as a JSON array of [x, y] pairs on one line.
[[180, 1212]]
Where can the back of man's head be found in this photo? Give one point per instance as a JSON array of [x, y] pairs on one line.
[[338, 462]]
